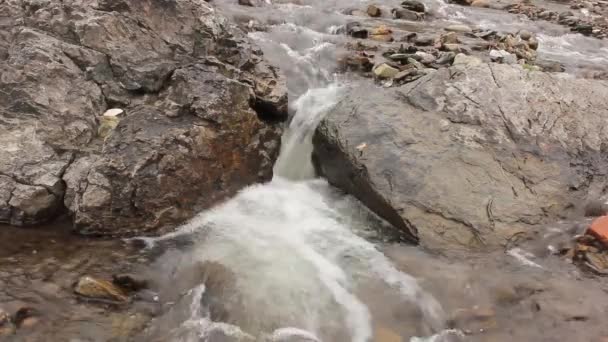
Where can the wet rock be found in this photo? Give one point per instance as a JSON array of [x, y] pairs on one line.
[[451, 47], [98, 289], [250, 3], [130, 282], [449, 38], [413, 5], [429, 201], [423, 41], [357, 31], [445, 58], [6, 326], [26, 317], [458, 28], [533, 43], [405, 14], [462, 59], [525, 35], [374, 11], [385, 71], [583, 28], [98, 61], [503, 56], [550, 66], [480, 3]]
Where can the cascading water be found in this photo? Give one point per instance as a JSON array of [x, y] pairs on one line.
[[299, 268]]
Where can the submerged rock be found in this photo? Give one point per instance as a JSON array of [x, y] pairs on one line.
[[413, 5], [98, 289], [457, 158], [374, 11]]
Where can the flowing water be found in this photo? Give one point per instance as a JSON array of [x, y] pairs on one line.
[[301, 260], [296, 260]]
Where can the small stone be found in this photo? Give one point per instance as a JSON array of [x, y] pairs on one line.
[[415, 63], [250, 3], [405, 14], [462, 59], [423, 41], [525, 35], [445, 58], [533, 43], [401, 75], [583, 28], [381, 30], [99, 289], [356, 31], [374, 11], [502, 56], [458, 28], [480, 4], [399, 57], [385, 71], [382, 37], [113, 112], [451, 47], [6, 326], [425, 58], [449, 38], [413, 5]]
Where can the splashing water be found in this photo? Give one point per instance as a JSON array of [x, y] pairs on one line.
[[299, 268]]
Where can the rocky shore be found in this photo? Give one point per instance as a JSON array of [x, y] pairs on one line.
[[467, 140]]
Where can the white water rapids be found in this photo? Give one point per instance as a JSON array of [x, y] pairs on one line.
[[302, 271]]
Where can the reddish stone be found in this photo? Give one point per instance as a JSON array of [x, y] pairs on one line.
[[599, 229]]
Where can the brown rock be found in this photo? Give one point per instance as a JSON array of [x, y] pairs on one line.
[[383, 334], [98, 289], [374, 11], [201, 113]]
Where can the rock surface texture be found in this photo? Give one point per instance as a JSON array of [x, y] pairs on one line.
[[200, 104], [470, 155]]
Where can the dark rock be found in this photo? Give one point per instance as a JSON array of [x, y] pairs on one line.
[[250, 3], [401, 13], [583, 28], [26, 317], [424, 41], [130, 282], [445, 58], [356, 31], [413, 5], [461, 160], [54, 159]]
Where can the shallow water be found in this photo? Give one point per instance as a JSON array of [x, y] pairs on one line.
[[297, 258]]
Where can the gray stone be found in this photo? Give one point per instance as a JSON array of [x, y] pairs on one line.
[[199, 101], [503, 57], [461, 159], [413, 5], [405, 14], [458, 28]]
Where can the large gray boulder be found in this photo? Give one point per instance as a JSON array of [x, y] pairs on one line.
[[469, 156], [201, 111]]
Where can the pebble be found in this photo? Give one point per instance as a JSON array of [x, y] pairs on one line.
[[385, 71], [423, 41], [90, 287], [458, 28], [113, 112], [413, 5], [445, 58], [374, 11], [525, 35], [503, 57], [405, 14], [480, 3]]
